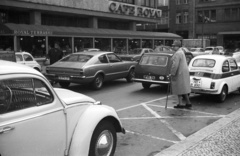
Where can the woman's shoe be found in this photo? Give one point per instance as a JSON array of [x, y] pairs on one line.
[[179, 106]]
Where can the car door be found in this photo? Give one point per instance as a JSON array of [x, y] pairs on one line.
[[119, 69], [105, 66], [32, 121], [235, 74]]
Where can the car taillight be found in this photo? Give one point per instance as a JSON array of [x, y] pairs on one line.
[[212, 86]]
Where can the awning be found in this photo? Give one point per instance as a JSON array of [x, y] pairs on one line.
[[229, 33], [42, 30]]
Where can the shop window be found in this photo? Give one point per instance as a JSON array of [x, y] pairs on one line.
[[23, 93], [6, 43], [119, 46], [81, 43], [133, 44], [158, 42], [147, 43], [103, 44], [168, 42]]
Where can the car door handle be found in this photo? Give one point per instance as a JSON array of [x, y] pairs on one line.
[[6, 130]]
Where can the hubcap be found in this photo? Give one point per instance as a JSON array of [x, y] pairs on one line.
[[104, 144], [99, 81]]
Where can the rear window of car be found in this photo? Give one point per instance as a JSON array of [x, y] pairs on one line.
[[77, 58], [154, 60], [209, 63]]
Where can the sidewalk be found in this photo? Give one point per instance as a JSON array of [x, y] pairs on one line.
[[221, 138]]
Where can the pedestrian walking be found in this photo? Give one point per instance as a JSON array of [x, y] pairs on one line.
[[180, 78], [55, 53]]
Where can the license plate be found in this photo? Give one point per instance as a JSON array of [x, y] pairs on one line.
[[147, 77], [63, 78], [196, 84]]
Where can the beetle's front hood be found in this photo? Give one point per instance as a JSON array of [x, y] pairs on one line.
[[71, 97]]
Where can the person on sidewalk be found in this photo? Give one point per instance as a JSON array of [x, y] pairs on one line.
[[180, 78]]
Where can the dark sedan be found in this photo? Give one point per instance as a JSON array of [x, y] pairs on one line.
[[153, 68], [90, 68]]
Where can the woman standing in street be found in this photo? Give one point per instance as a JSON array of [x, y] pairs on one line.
[[180, 76]]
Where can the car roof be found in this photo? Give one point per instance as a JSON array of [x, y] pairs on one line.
[[8, 67], [93, 52], [166, 53], [22, 52], [215, 57]]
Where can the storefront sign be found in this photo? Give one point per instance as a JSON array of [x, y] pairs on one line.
[[126, 9], [32, 32]]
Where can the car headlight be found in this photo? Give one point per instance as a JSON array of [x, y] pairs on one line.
[[161, 77]]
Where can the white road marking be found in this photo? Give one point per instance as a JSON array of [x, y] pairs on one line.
[[171, 117], [178, 134], [152, 136]]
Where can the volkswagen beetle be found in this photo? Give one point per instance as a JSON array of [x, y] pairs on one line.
[[36, 119]]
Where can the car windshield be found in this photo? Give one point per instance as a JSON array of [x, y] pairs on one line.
[[154, 60], [77, 58], [209, 63], [135, 51]]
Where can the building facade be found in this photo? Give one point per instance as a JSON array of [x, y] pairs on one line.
[[216, 20], [36, 25]]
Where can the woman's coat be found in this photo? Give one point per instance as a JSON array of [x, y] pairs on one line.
[[180, 74]]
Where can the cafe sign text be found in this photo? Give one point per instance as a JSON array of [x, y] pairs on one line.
[[133, 10]]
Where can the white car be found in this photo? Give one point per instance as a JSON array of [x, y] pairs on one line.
[[37, 120], [214, 74], [211, 50], [28, 60], [236, 55], [197, 51]]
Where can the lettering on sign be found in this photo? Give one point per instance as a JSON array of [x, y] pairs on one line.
[[32, 32], [126, 9]]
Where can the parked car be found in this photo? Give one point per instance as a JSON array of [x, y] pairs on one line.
[[153, 68], [91, 49], [235, 55], [90, 68], [28, 60], [221, 50], [36, 119], [215, 75], [197, 51], [212, 50], [135, 54], [163, 48]]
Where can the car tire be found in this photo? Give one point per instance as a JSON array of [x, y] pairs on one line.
[[97, 82], [130, 75], [146, 85], [103, 133], [223, 95], [64, 84]]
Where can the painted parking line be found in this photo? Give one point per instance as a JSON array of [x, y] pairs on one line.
[[147, 105]]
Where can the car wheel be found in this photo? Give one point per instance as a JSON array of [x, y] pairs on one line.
[[130, 76], [64, 84], [146, 85], [98, 82], [104, 139], [223, 95]]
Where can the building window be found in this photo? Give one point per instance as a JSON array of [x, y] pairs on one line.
[[185, 1], [126, 1], [185, 17], [232, 14], [178, 2], [207, 0], [178, 18], [149, 3], [206, 16], [163, 3]]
